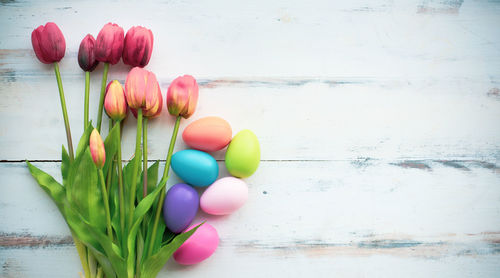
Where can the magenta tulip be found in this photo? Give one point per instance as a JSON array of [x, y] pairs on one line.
[[86, 54], [138, 46], [182, 96], [48, 43], [109, 44]]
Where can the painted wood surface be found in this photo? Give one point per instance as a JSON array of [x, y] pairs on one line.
[[378, 122]]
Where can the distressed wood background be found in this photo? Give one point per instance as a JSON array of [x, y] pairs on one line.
[[379, 123]]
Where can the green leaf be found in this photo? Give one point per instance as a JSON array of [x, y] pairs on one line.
[[127, 180], [64, 165], [152, 180], [153, 264], [84, 140], [86, 193], [111, 144]]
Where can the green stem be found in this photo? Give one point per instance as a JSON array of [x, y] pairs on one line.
[[99, 272], [145, 157], [82, 253], [65, 112], [103, 93], [120, 189], [137, 157], [106, 204], [109, 177], [164, 178], [86, 107]]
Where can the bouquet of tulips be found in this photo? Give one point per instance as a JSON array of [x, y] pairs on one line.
[[113, 211]]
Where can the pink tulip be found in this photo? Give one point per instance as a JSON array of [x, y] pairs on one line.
[[97, 149], [86, 54], [114, 102], [153, 112], [142, 89], [109, 44], [182, 96], [138, 46], [48, 43]]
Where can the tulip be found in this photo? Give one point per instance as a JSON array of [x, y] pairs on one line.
[[141, 89], [48, 43], [109, 48], [49, 46], [97, 149], [153, 112], [182, 96], [114, 102], [138, 46], [86, 54], [109, 44]]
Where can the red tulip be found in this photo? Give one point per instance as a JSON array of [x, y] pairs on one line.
[[97, 149], [114, 102], [48, 43], [138, 46], [86, 54], [182, 96], [109, 44], [141, 89]]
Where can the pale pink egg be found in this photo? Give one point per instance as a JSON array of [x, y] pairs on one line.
[[224, 196], [199, 246], [208, 134]]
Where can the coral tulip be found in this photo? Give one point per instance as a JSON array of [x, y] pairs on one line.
[[109, 44], [141, 89], [48, 43], [97, 149], [182, 96], [138, 46], [114, 102], [86, 54]]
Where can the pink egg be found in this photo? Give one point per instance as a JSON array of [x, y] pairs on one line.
[[208, 134], [224, 196], [199, 246]]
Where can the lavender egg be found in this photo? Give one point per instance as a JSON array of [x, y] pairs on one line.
[[180, 207]]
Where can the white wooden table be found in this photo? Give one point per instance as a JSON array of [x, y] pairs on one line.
[[379, 123]]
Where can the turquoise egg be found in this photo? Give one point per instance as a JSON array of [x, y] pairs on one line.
[[195, 167]]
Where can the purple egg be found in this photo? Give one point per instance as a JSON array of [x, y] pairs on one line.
[[180, 207]]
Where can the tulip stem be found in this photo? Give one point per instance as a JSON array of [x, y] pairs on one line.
[[65, 112], [106, 204], [109, 177], [86, 107], [164, 178], [137, 157], [120, 189], [103, 93], [145, 157]]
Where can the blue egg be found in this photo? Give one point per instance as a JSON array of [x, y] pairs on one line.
[[194, 167]]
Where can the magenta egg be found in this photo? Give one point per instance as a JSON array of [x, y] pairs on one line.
[[199, 246]]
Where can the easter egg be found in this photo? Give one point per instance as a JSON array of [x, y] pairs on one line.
[[208, 134], [199, 246], [243, 154], [180, 207], [195, 167], [224, 196]]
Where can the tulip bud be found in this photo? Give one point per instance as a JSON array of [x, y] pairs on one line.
[[86, 54], [141, 89], [97, 149], [138, 46], [114, 102], [182, 96], [109, 44], [48, 43], [154, 111]]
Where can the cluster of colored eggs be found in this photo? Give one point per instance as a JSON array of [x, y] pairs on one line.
[[196, 167]]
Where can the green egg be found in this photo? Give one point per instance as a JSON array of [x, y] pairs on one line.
[[243, 154]]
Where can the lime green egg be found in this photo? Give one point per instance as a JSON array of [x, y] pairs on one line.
[[243, 154]]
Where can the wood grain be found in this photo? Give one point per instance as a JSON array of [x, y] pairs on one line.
[[378, 123]]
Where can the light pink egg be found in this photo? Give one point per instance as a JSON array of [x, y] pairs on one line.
[[208, 134], [224, 196], [199, 246]]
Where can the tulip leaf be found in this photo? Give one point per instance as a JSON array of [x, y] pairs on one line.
[[139, 212], [86, 193], [64, 165], [127, 180], [153, 264], [111, 145], [152, 180], [84, 141]]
